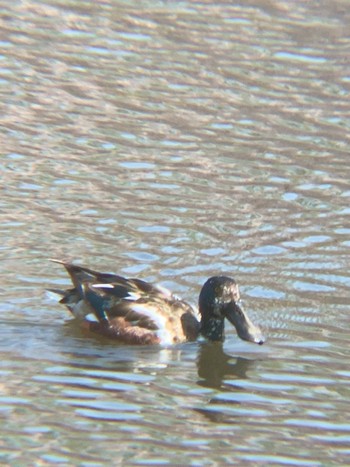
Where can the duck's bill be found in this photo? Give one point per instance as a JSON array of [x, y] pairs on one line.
[[246, 330]]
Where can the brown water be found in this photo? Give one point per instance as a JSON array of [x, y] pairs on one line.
[[174, 141]]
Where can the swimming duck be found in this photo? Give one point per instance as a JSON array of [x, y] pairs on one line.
[[136, 312]]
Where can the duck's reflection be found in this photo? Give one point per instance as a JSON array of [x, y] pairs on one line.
[[216, 370], [214, 365]]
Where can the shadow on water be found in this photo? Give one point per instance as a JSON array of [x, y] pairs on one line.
[[214, 366], [218, 370]]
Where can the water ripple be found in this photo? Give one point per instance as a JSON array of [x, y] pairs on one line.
[[174, 142]]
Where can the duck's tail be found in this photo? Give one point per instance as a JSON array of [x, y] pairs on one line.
[[60, 292], [78, 274]]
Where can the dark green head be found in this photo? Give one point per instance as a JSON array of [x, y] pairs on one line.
[[219, 300]]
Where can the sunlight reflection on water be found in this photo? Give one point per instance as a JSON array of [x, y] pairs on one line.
[[174, 142]]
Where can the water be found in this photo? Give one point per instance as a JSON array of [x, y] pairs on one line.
[[173, 141]]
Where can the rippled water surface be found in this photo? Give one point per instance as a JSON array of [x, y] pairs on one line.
[[174, 141]]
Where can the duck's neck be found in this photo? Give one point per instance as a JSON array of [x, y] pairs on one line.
[[213, 328]]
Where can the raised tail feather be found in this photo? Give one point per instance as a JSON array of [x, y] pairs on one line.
[[57, 291]]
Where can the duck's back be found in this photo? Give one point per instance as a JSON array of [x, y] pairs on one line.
[[129, 310]]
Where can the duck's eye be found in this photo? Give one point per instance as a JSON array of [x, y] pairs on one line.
[[235, 297]]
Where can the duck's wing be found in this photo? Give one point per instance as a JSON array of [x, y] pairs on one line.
[[80, 275], [122, 303], [144, 306]]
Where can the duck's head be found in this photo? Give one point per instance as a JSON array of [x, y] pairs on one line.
[[219, 300]]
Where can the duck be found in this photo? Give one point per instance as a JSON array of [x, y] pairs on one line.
[[132, 311]]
